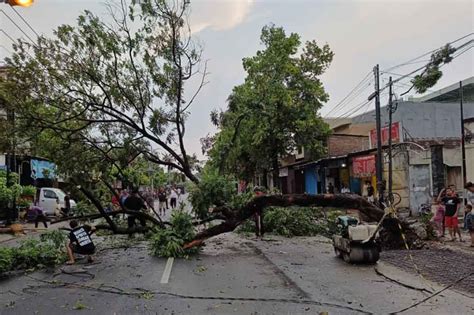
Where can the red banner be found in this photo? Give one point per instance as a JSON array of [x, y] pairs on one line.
[[395, 135], [363, 166]]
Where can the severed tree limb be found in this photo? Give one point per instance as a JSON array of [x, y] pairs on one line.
[[138, 214], [99, 207], [237, 216]]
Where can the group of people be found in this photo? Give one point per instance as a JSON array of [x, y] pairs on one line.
[[449, 205], [168, 197], [368, 191], [172, 194]]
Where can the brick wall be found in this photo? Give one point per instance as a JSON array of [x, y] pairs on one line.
[[344, 144]]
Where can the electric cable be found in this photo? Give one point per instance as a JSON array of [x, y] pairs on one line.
[[17, 26], [24, 20]]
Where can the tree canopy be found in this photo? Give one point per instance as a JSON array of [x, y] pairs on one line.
[[111, 87], [275, 110]]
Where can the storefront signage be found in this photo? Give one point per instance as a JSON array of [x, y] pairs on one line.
[[385, 134], [363, 166]]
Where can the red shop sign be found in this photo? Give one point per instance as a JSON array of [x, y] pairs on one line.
[[395, 135], [363, 166]]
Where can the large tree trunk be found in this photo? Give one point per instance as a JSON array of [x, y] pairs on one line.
[[235, 217]]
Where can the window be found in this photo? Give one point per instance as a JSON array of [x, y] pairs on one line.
[[50, 194]]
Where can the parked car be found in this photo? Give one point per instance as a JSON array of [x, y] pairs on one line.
[[52, 200]]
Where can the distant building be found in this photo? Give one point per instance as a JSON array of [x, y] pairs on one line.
[[426, 133]]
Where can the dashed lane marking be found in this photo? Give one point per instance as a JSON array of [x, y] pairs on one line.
[[166, 273]]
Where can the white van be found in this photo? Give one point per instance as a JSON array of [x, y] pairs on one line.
[[52, 200]]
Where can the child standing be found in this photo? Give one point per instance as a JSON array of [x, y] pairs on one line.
[[438, 219], [470, 222]]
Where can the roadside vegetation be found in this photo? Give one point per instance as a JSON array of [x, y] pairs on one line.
[[34, 254]]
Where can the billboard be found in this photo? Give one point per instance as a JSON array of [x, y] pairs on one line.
[[396, 132], [42, 169], [363, 166]]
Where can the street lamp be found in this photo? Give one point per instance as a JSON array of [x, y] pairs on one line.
[[20, 3]]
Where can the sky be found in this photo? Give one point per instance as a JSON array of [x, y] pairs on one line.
[[360, 33]]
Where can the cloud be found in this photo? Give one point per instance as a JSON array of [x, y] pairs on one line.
[[219, 15]]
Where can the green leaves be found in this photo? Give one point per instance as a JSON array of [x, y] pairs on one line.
[[101, 90], [169, 242], [213, 189], [33, 253], [276, 109], [432, 73]]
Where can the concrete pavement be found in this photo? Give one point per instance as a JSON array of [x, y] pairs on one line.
[[232, 275]]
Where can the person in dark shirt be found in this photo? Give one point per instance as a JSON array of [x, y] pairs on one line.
[[162, 198], [451, 203], [370, 192], [134, 203], [67, 204], [38, 213], [80, 242]]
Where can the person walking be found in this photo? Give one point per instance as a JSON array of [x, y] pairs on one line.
[[451, 204], [173, 198], [134, 203], [162, 198]]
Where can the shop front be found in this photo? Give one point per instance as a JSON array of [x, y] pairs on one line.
[[362, 171]]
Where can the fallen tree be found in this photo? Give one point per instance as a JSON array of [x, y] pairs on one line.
[[235, 217], [110, 93]]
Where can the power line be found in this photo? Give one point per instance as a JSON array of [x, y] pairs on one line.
[[426, 54], [18, 27], [24, 20], [8, 35], [353, 98], [354, 90]]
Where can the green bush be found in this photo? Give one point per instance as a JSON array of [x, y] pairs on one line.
[[6, 260], [33, 253], [8, 194], [169, 242], [28, 190]]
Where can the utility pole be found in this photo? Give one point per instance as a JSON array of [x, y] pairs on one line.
[[463, 136], [378, 121], [390, 112]]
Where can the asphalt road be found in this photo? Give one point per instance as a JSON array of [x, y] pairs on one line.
[[232, 275]]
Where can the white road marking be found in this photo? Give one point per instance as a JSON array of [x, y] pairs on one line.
[[166, 273]]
